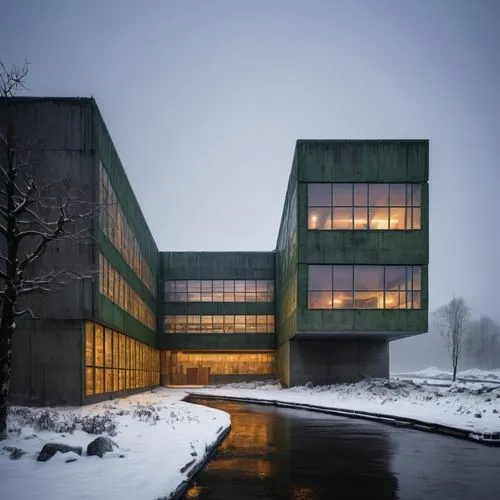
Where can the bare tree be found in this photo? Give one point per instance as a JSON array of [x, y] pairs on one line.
[[483, 342], [451, 320], [33, 215]]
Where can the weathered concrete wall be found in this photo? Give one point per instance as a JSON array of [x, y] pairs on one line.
[[286, 262], [47, 363], [218, 341], [217, 265], [55, 135], [67, 138], [219, 308], [283, 363], [338, 361], [118, 319], [362, 161]]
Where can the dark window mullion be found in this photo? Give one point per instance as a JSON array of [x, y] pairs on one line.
[[384, 282]]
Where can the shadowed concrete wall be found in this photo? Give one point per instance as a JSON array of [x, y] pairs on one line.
[[218, 341], [66, 138], [47, 363], [330, 362], [57, 137]]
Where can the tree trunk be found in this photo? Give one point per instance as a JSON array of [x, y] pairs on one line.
[[454, 372], [5, 366]]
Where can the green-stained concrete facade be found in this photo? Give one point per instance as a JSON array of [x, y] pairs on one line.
[[321, 346], [339, 161]]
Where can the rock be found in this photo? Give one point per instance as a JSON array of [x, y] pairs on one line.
[[50, 449], [495, 410], [99, 446], [70, 460], [15, 453], [477, 415]]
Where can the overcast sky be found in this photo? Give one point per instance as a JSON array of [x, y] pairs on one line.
[[204, 101]]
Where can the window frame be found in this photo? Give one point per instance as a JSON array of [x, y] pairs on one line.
[[412, 292], [413, 206]]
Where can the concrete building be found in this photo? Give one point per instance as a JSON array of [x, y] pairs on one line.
[[349, 274]]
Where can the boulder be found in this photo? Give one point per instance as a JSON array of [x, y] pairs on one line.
[[99, 446], [50, 449], [15, 453]]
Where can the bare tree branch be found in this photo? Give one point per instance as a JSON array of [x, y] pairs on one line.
[[11, 81]]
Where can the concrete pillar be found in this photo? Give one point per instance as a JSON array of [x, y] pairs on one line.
[[324, 362]]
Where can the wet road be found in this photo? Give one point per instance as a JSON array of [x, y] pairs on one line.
[[282, 453]]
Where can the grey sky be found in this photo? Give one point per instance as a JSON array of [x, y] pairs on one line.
[[205, 99]]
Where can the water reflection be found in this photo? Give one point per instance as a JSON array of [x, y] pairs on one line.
[[290, 454]]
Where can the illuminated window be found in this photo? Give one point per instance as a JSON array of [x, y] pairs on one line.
[[219, 291], [231, 363], [240, 323], [364, 287], [127, 362], [345, 206], [116, 289], [115, 227]]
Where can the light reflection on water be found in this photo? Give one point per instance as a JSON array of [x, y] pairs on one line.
[[278, 453]]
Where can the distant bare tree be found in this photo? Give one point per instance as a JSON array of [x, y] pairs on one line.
[[483, 343], [32, 216], [452, 320]]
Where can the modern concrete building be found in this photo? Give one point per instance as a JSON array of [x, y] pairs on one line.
[[349, 274]]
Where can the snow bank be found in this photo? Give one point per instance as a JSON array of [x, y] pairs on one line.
[[157, 436], [471, 374], [474, 408]]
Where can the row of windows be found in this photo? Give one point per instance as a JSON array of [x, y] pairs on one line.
[[114, 225], [113, 286], [364, 206], [228, 323], [364, 287], [231, 363], [115, 362], [219, 291]]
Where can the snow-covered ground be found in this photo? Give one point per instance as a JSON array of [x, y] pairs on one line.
[[471, 374], [471, 407], [157, 435]]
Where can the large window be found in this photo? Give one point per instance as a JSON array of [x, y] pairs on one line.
[[227, 323], [114, 225], [364, 206], [115, 362], [219, 291], [364, 287], [115, 288], [175, 364]]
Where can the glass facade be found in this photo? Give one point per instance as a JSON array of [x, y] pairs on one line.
[[115, 362], [115, 227], [175, 364], [364, 287], [113, 286], [227, 323], [219, 291], [364, 206]]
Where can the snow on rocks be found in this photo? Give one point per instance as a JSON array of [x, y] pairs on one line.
[[155, 437]]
